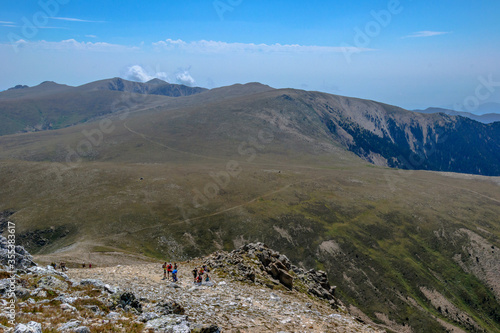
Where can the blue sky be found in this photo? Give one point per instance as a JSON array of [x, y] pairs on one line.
[[408, 53]]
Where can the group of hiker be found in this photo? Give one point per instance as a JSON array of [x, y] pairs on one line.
[[199, 275], [62, 266], [169, 269]]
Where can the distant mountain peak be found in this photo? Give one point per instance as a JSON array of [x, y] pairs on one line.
[[19, 86], [485, 118], [49, 83], [156, 81]]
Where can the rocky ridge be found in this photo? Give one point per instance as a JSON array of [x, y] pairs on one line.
[[137, 299], [257, 263]]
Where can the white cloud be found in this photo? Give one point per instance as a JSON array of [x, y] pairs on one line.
[[138, 73], [72, 19], [6, 22], [71, 44], [185, 78], [91, 36], [427, 34], [204, 46]]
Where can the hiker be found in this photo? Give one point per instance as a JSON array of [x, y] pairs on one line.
[[90, 265], [164, 266], [169, 270], [201, 272], [195, 272], [205, 268], [207, 278], [83, 265], [174, 275], [199, 279], [175, 265], [63, 266]]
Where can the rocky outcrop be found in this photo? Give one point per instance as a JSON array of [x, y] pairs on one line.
[[126, 301], [258, 263], [317, 284], [22, 259]]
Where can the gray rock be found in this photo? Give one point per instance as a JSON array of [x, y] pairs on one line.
[[21, 292], [51, 282], [170, 323], [66, 306], [37, 270], [31, 327], [82, 329], [168, 307], [147, 316], [39, 292], [70, 324], [4, 286], [99, 284], [65, 299], [113, 315]]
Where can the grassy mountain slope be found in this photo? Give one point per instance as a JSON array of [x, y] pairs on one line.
[[301, 123], [384, 236], [411, 249], [53, 106]]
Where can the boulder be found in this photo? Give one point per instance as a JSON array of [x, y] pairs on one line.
[[31, 327], [147, 316], [50, 282], [169, 307], [21, 292], [128, 299], [4, 286], [285, 279], [169, 323], [69, 325]]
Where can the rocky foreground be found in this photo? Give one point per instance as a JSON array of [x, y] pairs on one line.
[[252, 289]]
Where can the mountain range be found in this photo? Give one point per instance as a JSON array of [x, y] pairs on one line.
[[51, 106], [486, 118], [381, 134], [399, 208]]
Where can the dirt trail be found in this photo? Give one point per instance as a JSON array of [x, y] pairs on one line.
[[233, 306]]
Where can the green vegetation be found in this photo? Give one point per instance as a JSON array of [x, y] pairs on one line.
[[390, 243], [395, 242]]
